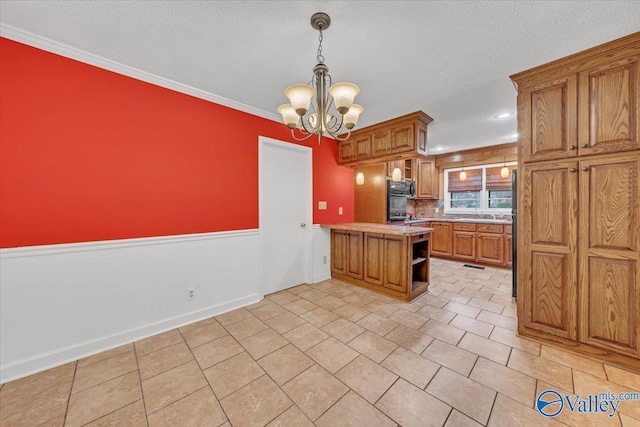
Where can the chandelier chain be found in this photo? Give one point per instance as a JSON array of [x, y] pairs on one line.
[[320, 58]]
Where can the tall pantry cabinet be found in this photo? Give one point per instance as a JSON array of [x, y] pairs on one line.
[[579, 201]]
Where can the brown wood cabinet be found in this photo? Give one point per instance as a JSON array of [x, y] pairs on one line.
[[427, 178], [464, 241], [579, 198], [490, 243], [404, 137], [441, 238], [397, 265]]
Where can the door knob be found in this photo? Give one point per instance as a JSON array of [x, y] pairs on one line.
[[572, 169], [572, 147], [584, 145], [302, 224], [585, 168]]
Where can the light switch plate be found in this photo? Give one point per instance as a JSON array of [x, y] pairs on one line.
[[322, 206], [340, 210]]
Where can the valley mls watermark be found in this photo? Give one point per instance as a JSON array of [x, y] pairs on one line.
[[550, 403]]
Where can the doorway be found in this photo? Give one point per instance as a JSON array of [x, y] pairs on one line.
[[285, 199]]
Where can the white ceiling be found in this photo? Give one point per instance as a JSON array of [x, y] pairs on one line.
[[450, 59]]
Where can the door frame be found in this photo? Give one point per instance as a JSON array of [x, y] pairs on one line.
[[264, 141]]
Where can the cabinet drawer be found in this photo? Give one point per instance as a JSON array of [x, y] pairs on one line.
[[464, 226], [507, 229], [491, 228]]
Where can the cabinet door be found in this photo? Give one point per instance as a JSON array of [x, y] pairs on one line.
[[608, 108], [490, 248], [346, 151], [355, 263], [381, 142], [464, 244], [374, 258], [609, 253], [403, 138], [362, 147], [427, 177], [508, 249], [441, 239], [339, 251], [395, 262], [547, 251], [547, 116]]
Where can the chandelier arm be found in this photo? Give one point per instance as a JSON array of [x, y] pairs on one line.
[[304, 138], [337, 138]]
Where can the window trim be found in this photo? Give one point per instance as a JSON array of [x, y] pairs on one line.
[[484, 193]]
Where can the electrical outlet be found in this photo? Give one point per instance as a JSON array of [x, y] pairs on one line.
[[437, 210], [191, 294], [324, 259], [340, 210], [322, 206]]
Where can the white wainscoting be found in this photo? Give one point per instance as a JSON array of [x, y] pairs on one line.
[[321, 248], [59, 303]]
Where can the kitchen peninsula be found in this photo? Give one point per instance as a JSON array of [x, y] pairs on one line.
[[390, 259]]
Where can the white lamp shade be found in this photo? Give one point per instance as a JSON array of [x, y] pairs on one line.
[[463, 176], [504, 172], [343, 94], [396, 175], [289, 115], [360, 178], [351, 118], [300, 97]]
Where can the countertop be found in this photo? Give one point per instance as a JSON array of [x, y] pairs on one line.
[[472, 220], [398, 230]]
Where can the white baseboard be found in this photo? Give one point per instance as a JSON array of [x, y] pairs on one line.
[[59, 303], [49, 360], [321, 277]]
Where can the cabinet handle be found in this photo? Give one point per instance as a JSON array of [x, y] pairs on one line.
[[572, 169], [584, 145], [585, 168], [572, 147]]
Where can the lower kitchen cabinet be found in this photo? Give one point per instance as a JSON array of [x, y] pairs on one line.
[[395, 263], [464, 241], [441, 239], [346, 253], [490, 243]]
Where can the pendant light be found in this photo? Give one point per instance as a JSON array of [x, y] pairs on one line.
[[504, 172], [359, 177], [396, 174], [463, 174]]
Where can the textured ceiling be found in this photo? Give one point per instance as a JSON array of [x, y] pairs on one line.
[[450, 59]]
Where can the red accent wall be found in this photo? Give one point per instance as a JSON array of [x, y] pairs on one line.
[[87, 154]]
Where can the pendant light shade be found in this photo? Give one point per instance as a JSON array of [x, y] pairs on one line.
[[463, 175], [300, 97], [396, 175], [360, 178], [289, 115], [351, 118], [343, 95], [504, 172]]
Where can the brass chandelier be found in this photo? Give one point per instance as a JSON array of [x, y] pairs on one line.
[[333, 111]]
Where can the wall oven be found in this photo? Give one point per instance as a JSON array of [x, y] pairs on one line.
[[397, 195]]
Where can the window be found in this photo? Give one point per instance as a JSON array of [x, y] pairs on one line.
[[484, 190]]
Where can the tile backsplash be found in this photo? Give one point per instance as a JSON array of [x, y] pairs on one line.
[[424, 208]]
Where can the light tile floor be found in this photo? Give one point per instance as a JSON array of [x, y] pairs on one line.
[[330, 354]]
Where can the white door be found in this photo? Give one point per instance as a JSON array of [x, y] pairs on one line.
[[285, 214]]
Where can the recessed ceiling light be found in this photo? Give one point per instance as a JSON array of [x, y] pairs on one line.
[[503, 115]]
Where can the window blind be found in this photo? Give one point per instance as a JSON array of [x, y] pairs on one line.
[[472, 183], [497, 182]]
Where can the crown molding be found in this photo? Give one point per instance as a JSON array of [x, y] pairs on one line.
[[35, 40]]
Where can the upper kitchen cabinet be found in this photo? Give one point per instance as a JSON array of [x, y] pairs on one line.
[[589, 106], [354, 149], [427, 178], [401, 138]]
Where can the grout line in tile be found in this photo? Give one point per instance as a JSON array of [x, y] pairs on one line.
[[144, 403]]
